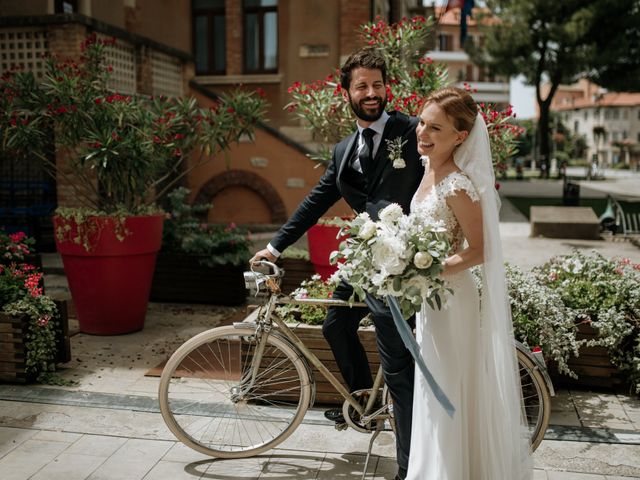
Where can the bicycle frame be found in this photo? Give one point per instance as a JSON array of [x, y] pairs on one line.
[[264, 325]]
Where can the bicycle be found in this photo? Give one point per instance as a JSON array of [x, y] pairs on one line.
[[240, 390]]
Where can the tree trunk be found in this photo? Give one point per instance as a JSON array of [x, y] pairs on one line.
[[544, 138]]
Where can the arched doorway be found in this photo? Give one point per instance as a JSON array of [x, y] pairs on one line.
[[242, 197]]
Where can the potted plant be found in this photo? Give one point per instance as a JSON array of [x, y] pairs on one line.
[[306, 321], [605, 297], [541, 319], [323, 238], [118, 153], [199, 262], [29, 320]]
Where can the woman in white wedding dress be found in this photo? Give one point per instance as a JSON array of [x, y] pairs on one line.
[[468, 344]]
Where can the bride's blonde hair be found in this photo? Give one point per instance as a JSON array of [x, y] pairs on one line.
[[457, 104]]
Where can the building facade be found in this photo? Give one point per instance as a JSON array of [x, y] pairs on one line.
[[608, 121], [486, 87], [206, 47]]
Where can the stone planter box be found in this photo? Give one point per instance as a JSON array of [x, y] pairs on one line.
[[593, 367], [295, 271], [312, 337], [181, 278], [13, 351]]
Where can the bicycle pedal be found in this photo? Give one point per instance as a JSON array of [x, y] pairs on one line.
[[341, 426]]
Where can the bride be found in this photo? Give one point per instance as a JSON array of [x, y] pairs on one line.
[[468, 345]]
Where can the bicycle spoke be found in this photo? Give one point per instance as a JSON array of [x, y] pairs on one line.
[[214, 404]]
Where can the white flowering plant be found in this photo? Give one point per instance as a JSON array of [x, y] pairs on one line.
[[603, 292], [398, 255], [541, 319]]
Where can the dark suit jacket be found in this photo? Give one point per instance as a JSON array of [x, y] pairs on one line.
[[384, 184]]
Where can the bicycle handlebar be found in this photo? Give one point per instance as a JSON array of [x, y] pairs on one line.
[[254, 279], [277, 271]]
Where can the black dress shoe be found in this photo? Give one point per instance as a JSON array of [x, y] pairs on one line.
[[335, 415]]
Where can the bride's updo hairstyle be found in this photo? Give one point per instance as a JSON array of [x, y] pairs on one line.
[[457, 104]]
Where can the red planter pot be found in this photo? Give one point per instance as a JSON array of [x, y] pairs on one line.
[[322, 241], [110, 283]]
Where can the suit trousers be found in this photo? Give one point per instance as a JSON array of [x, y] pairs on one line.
[[340, 329]]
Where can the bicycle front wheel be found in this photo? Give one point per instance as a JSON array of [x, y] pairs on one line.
[[216, 399], [537, 400]]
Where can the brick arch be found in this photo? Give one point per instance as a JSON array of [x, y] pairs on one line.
[[242, 178]]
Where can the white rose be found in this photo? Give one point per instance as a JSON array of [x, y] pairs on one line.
[[363, 216], [367, 230], [387, 255], [391, 213], [422, 260]]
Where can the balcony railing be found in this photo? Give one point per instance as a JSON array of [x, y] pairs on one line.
[[139, 64]]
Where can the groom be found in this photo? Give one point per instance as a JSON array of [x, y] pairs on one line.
[[362, 173]]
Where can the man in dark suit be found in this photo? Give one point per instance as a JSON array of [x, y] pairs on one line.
[[362, 173]]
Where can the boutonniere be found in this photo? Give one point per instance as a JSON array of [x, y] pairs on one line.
[[394, 147]]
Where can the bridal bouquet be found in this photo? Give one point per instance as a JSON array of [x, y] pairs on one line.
[[398, 255]]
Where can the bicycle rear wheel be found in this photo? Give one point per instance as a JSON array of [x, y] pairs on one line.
[[209, 402], [537, 400]]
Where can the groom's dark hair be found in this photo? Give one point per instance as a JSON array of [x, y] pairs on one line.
[[367, 57]]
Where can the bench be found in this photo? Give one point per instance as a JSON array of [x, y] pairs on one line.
[[565, 222]]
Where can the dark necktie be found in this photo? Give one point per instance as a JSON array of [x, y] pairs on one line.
[[366, 153]]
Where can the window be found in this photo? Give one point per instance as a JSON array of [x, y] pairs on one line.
[[65, 6], [260, 36], [607, 114], [576, 126], [616, 114], [445, 42], [625, 114], [469, 73], [586, 115], [209, 45]]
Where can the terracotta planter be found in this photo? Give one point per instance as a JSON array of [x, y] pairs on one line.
[[181, 278], [110, 282], [322, 241], [312, 337]]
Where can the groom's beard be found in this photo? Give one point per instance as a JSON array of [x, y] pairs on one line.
[[360, 111]]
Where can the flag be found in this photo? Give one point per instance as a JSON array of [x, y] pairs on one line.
[[465, 6], [465, 11]]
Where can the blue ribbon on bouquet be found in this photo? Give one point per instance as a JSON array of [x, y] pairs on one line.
[[410, 342]]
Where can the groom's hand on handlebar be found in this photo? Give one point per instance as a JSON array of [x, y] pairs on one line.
[[263, 254]]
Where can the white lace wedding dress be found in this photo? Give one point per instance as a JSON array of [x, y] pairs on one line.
[[445, 448]]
